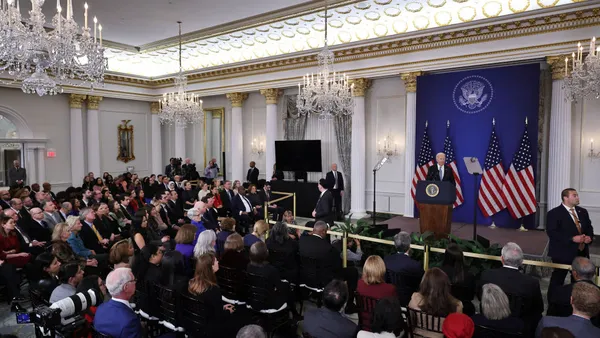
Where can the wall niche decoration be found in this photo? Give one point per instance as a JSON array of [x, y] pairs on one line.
[[125, 148]]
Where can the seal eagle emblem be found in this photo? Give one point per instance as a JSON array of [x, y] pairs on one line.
[[472, 94], [432, 190]]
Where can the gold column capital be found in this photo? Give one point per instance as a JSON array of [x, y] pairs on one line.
[[76, 100], [237, 99], [93, 102], [271, 94], [557, 65], [154, 107], [360, 86], [410, 81]]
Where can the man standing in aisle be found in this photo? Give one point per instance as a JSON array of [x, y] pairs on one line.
[[335, 182], [440, 171], [570, 233], [324, 205], [252, 175]]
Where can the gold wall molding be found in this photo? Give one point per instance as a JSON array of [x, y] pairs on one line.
[[557, 65], [93, 102], [76, 100], [360, 86], [154, 107], [271, 94], [501, 31], [237, 99], [410, 81]]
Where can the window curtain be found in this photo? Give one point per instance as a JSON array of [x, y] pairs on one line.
[[294, 124], [343, 134]]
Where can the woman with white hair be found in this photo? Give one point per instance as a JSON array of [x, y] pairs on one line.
[[206, 243], [495, 311]]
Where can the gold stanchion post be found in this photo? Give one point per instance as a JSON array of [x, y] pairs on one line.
[[266, 212], [426, 258], [294, 206], [345, 249]]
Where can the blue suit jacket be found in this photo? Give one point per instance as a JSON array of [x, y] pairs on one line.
[[579, 327], [117, 320], [402, 263], [324, 323]]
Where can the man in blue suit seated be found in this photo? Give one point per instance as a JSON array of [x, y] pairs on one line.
[[328, 321], [585, 301], [401, 263], [115, 317]]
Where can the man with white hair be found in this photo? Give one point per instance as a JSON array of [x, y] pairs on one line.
[[440, 171], [115, 318], [515, 284]]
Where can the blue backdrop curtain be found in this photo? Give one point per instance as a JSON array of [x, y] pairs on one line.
[[469, 100]]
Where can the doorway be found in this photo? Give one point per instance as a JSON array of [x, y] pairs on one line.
[[8, 156]]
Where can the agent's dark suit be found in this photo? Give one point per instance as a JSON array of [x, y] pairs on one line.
[[227, 199], [561, 229], [323, 209], [252, 175], [403, 264], [315, 247], [324, 323], [117, 320], [579, 327], [331, 180], [244, 220], [16, 174], [89, 238], [433, 173], [38, 231]]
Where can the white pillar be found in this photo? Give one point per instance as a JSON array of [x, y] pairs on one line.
[[216, 137], [31, 167], [237, 137], [93, 135], [358, 159], [271, 129], [180, 141], [208, 145], [559, 148], [157, 165], [410, 85], [41, 165], [77, 152]]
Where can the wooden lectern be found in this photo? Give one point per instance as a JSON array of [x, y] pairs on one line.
[[435, 200]]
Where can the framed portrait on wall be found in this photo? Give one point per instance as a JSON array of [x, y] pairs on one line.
[[125, 146]]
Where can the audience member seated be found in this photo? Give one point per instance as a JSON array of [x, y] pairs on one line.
[[353, 251], [90, 235], [458, 325], [288, 218], [434, 298], [401, 263], [242, 209], [387, 320], [10, 277], [283, 252], [110, 226], [210, 217], [585, 300], [87, 283], [185, 241], [219, 318], [147, 268], [258, 234], [26, 241], [10, 245], [117, 214], [251, 331], [234, 256], [278, 290], [48, 268], [227, 228], [195, 216], [120, 254], [559, 302], [373, 285], [61, 248], [37, 227], [207, 241], [115, 318], [143, 234], [70, 275], [495, 311], [514, 283], [328, 321], [461, 280]]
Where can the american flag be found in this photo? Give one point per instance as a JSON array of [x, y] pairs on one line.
[[519, 184], [490, 192], [425, 161], [451, 161]]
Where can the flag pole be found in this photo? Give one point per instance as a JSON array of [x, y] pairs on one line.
[[522, 227], [493, 226]]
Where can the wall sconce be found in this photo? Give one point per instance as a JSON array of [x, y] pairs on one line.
[[258, 146], [592, 154], [387, 146]]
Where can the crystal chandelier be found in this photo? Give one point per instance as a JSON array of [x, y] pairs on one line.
[[584, 80], [325, 94], [180, 108], [46, 60]]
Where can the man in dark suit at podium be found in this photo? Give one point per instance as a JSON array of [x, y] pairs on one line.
[[440, 171], [570, 231], [324, 205], [335, 182]]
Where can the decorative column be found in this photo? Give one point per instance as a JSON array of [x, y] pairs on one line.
[[77, 152], [157, 161], [559, 171], [208, 141], [357, 156], [410, 85], [180, 141], [271, 128], [93, 134], [237, 137], [31, 167], [41, 165]]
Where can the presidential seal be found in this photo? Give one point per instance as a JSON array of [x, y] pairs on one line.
[[432, 190], [473, 94]]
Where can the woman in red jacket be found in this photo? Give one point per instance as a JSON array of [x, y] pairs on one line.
[[373, 285], [10, 245]]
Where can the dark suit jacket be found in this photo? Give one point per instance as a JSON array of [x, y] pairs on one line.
[[238, 206], [579, 327], [117, 320], [15, 175], [175, 213], [168, 169], [323, 208], [403, 264], [38, 232], [4, 204], [315, 247], [89, 238], [330, 179], [324, 323], [126, 212], [252, 175], [210, 219], [508, 325], [433, 173], [561, 229], [227, 202]]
